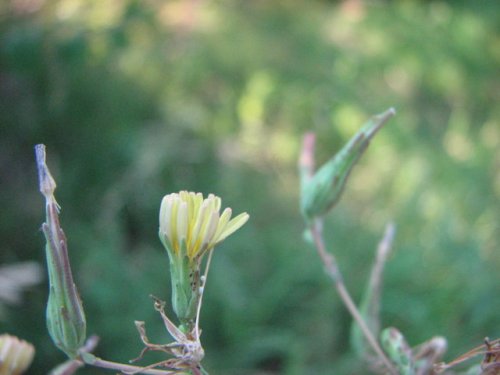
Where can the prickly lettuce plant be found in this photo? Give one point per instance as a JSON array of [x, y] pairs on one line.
[[190, 227]]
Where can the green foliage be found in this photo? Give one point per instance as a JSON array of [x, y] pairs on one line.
[[138, 99]]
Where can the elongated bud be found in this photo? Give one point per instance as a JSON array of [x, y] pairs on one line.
[[322, 190], [65, 316], [398, 350], [15, 355]]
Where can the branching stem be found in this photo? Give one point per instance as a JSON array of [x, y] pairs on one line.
[[333, 271]]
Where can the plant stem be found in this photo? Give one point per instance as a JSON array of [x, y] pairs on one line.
[[126, 369], [333, 271]]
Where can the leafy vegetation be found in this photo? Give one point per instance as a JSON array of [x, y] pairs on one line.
[[137, 99]]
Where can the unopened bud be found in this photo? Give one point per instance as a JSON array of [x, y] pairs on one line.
[[321, 191], [398, 350], [65, 316]]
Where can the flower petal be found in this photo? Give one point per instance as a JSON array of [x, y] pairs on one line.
[[233, 226], [165, 212], [186, 217], [182, 221], [224, 219]]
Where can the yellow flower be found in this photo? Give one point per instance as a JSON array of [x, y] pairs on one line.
[[187, 221], [190, 226], [15, 355]]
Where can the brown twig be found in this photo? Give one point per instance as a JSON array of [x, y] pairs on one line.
[[490, 350]]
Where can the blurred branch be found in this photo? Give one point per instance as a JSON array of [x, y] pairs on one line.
[[333, 271], [306, 166], [491, 360], [320, 191], [370, 302]]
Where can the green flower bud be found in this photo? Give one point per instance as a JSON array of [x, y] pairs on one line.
[[65, 316], [321, 191], [398, 350], [15, 355], [190, 226]]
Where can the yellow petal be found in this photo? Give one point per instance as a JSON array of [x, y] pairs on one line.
[[173, 223], [182, 221], [165, 212], [224, 219], [233, 226], [209, 231], [200, 223]]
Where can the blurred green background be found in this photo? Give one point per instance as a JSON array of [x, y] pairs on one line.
[[137, 99]]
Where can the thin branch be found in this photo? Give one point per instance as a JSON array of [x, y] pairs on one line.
[[71, 366], [383, 250], [98, 362], [203, 283], [333, 271], [371, 300]]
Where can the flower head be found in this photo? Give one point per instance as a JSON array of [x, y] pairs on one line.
[[15, 355], [190, 226], [188, 220]]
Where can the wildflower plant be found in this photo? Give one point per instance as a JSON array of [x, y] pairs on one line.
[[385, 351], [190, 227]]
